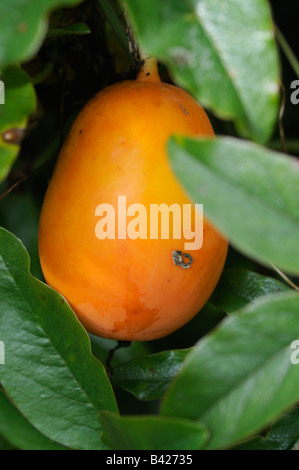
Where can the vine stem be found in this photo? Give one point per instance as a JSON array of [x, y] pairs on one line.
[[285, 278], [287, 50], [115, 22], [280, 119]]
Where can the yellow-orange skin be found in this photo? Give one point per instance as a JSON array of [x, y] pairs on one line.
[[125, 289]]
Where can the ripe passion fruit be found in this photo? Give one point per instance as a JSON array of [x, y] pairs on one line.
[[127, 287]]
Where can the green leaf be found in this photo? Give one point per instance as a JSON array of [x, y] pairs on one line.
[[240, 377], [49, 372], [20, 102], [76, 28], [250, 193], [23, 26], [224, 54], [19, 432], [148, 377], [282, 436], [152, 432], [238, 287]]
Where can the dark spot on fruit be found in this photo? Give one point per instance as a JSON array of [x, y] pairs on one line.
[[179, 259], [184, 109], [80, 131], [148, 73]]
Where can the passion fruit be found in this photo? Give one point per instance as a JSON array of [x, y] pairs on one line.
[[127, 287]]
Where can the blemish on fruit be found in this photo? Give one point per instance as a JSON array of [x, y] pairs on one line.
[[178, 259], [184, 109]]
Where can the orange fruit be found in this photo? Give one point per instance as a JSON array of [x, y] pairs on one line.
[[127, 288]]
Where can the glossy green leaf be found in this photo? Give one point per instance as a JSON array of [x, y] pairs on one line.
[[282, 436], [49, 372], [148, 377], [250, 193], [240, 377], [222, 52], [20, 102], [23, 26], [152, 432], [19, 432], [238, 287], [76, 28]]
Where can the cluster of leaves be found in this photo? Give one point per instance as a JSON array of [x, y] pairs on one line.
[[226, 379]]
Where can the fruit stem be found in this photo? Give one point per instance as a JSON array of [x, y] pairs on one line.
[[120, 344], [149, 70], [149, 65]]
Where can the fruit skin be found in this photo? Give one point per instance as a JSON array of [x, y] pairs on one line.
[[125, 289]]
